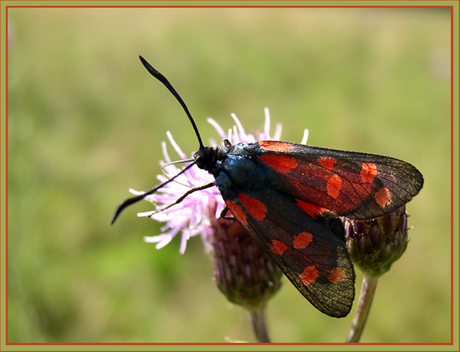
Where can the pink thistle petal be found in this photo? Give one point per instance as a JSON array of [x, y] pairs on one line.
[[219, 129], [175, 146]]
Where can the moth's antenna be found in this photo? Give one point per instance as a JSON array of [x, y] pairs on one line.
[[168, 85], [136, 199]]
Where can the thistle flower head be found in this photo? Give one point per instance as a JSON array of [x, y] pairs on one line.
[[191, 217], [243, 271], [374, 245]]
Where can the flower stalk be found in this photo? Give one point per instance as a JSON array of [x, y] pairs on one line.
[[259, 325], [364, 306]]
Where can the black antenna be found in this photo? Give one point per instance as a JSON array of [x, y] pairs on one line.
[[136, 199], [168, 85]]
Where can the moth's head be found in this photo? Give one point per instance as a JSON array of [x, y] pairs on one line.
[[207, 157]]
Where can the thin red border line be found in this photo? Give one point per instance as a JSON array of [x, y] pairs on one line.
[[225, 344], [452, 175], [231, 6], [6, 195], [265, 1], [6, 178], [110, 344], [6, 181], [224, 1], [237, 350], [452, 197]]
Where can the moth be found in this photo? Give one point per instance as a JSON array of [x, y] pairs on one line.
[[290, 198]]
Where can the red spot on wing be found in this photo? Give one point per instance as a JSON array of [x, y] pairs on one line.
[[333, 186], [255, 207], [279, 246], [281, 147], [368, 172], [280, 163], [327, 162], [237, 212], [311, 209], [383, 196], [337, 275], [302, 240], [309, 275]]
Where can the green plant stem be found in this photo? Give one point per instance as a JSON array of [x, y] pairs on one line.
[[364, 306], [259, 325]]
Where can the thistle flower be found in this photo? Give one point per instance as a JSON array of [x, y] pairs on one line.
[[192, 215], [244, 273], [374, 245]]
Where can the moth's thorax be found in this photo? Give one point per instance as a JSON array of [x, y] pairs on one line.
[[233, 166]]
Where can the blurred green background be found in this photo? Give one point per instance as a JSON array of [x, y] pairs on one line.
[[86, 122]]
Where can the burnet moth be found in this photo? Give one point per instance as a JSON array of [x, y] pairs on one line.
[[289, 197]]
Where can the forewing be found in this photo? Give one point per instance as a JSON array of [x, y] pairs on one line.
[[308, 252], [357, 185]]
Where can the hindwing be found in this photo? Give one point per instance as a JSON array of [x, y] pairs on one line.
[[310, 252]]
